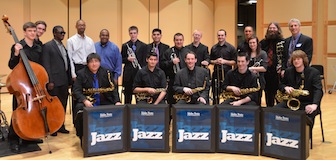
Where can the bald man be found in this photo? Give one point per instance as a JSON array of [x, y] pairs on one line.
[[201, 50]]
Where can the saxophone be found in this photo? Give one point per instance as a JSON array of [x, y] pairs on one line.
[[292, 102], [91, 91], [230, 94], [187, 98], [176, 67], [131, 53], [279, 51], [147, 96]]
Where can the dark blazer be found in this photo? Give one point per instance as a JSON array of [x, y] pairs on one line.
[[84, 80], [162, 48], [304, 43], [312, 83], [130, 72], [53, 62], [202, 74]]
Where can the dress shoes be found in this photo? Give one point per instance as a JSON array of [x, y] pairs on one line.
[[54, 134], [63, 130]]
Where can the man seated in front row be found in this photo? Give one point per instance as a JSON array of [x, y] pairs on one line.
[[192, 82], [302, 77], [93, 78], [150, 82], [240, 85]]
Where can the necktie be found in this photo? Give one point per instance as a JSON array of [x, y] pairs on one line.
[[158, 54], [134, 47], [96, 95], [291, 50]]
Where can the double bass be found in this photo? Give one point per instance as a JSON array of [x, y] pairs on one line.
[[38, 114]]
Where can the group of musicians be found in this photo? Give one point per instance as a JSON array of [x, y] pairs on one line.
[[156, 73]]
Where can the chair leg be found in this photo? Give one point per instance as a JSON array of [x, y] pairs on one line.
[[311, 137], [325, 88], [321, 127]]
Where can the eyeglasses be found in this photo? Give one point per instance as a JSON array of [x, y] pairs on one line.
[[61, 32]]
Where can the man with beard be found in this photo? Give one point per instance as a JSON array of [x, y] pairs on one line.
[[273, 45], [171, 60]]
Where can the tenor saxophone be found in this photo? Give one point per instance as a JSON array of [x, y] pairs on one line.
[[187, 98], [147, 96], [292, 102], [91, 91], [231, 95]]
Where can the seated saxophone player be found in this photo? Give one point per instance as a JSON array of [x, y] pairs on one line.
[[191, 83], [303, 77], [240, 85], [94, 78], [149, 83]]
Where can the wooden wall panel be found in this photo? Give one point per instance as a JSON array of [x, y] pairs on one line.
[[102, 14], [135, 12], [331, 10], [202, 19], [175, 16], [284, 10], [331, 39]]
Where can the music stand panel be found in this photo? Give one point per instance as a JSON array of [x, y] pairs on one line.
[[238, 129], [193, 128], [104, 130], [149, 127], [284, 133]]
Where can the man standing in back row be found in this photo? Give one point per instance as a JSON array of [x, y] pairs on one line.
[[201, 50], [131, 68], [157, 46]]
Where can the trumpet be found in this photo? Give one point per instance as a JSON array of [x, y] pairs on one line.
[[91, 91], [176, 67], [148, 97], [257, 63], [187, 98], [131, 53]]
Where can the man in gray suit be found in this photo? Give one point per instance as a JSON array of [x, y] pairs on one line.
[[57, 64]]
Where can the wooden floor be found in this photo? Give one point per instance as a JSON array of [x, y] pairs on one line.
[[66, 146]]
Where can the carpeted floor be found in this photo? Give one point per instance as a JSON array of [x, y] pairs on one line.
[[5, 151]]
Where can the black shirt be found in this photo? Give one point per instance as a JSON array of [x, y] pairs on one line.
[[201, 51], [33, 54]]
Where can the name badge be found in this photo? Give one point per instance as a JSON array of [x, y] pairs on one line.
[[299, 45]]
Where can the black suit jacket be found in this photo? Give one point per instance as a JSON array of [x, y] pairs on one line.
[[312, 83], [162, 48], [202, 74], [304, 43], [53, 62], [129, 71], [84, 80]]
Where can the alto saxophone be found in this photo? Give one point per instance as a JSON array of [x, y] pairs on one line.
[[176, 67], [292, 102], [131, 53], [91, 91], [147, 96], [231, 95], [187, 98]]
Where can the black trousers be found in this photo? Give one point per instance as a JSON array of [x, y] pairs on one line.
[[62, 93], [271, 87]]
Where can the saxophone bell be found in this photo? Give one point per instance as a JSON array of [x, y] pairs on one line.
[[293, 104]]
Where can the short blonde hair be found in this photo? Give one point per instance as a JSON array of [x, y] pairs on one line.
[[299, 54]]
